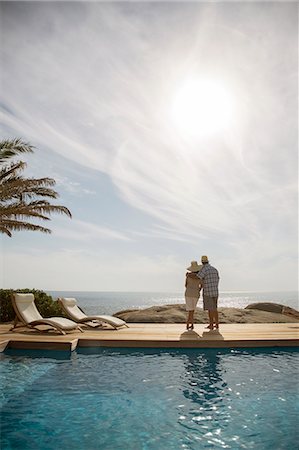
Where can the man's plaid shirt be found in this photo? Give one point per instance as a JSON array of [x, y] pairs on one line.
[[209, 278]]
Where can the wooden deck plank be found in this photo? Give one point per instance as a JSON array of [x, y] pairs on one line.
[[43, 345], [157, 335]]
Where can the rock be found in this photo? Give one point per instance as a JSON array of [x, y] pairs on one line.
[[176, 313], [155, 314], [275, 308], [290, 312], [271, 307]]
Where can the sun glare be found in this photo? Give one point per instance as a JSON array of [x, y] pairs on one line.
[[201, 108]]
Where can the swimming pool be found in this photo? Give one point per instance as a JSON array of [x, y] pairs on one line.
[[149, 399]]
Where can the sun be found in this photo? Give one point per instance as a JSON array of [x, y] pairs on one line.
[[201, 108]]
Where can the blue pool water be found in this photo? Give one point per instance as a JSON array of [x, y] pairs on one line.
[[149, 399]]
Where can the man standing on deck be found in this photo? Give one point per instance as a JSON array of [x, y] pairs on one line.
[[209, 279]]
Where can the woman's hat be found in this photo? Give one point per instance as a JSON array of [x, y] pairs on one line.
[[194, 267], [204, 259]]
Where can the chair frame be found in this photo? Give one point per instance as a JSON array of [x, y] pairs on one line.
[[20, 322], [89, 321]]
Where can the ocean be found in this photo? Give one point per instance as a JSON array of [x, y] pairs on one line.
[[112, 302]]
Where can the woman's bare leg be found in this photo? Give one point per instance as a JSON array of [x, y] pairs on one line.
[[190, 319]]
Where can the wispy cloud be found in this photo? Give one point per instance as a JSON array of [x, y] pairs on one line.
[[101, 94], [79, 230], [97, 87], [73, 187]]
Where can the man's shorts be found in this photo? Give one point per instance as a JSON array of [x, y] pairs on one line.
[[210, 303], [191, 303]]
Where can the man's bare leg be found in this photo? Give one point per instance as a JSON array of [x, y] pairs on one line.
[[211, 320], [216, 319]]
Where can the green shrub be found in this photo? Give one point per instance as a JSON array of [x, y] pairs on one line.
[[44, 303]]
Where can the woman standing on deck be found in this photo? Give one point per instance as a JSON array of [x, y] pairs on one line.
[[192, 293]]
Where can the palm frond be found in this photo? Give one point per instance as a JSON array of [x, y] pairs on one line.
[[47, 208], [27, 188], [39, 208], [5, 231], [15, 191], [15, 225], [12, 147], [22, 199], [10, 172], [18, 214]]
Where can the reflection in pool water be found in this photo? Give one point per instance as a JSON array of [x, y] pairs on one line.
[[149, 399]]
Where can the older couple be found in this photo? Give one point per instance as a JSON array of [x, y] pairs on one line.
[[202, 276]]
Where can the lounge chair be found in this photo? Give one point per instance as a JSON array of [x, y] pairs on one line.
[[75, 313], [27, 315]]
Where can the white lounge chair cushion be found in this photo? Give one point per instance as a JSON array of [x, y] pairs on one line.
[[70, 304], [62, 322], [27, 308], [110, 319], [29, 312], [69, 301]]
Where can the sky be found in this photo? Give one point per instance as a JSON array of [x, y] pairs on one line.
[[171, 130]]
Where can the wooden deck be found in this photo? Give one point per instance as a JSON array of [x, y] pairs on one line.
[[156, 336]]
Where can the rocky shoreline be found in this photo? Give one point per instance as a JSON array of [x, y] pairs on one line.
[[176, 313]]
